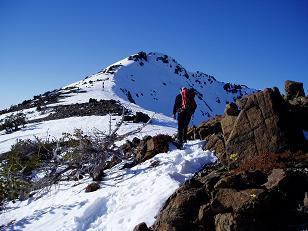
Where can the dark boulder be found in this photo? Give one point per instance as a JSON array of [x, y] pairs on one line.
[[231, 109], [294, 89], [141, 118], [146, 148], [92, 187], [91, 100], [298, 109], [141, 227], [181, 208], [205, 129], [152, 146]]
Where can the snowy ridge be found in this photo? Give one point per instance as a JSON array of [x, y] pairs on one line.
[[152, 81], [126, 198]]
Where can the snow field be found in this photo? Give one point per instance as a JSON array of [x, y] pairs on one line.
[[126, 197], [54, 129]]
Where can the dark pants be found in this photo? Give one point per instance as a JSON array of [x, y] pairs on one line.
[[183, 122]]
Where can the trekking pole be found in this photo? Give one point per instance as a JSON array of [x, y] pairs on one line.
[[193, 127]]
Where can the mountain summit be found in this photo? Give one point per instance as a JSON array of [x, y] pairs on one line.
[[141, 82], [153, 80]]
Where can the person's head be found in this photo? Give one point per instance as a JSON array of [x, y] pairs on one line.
[[182, 89]]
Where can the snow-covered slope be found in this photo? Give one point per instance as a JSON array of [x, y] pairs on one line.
[[153, 80], [126, 198], [143, 82]]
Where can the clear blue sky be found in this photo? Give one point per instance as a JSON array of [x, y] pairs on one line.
[[47, 44]]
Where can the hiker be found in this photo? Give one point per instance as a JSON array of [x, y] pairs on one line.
[[185, 106]]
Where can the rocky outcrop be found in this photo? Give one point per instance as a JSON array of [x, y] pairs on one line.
[[112, 69], [257, 128], [94, 107], [216, 199], [261, 123], [205, 129], [231, 109], [141, 227], [265, 123], [153, 146], [294, 89], [140, 117], [40, 101], [146, 148], [140, 56]]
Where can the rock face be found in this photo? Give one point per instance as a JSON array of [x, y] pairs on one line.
[[217, 200], [266, 124], [227, 125], [294, 89], [258, 127]]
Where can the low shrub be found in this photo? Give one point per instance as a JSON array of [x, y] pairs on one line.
[[13, 122]]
